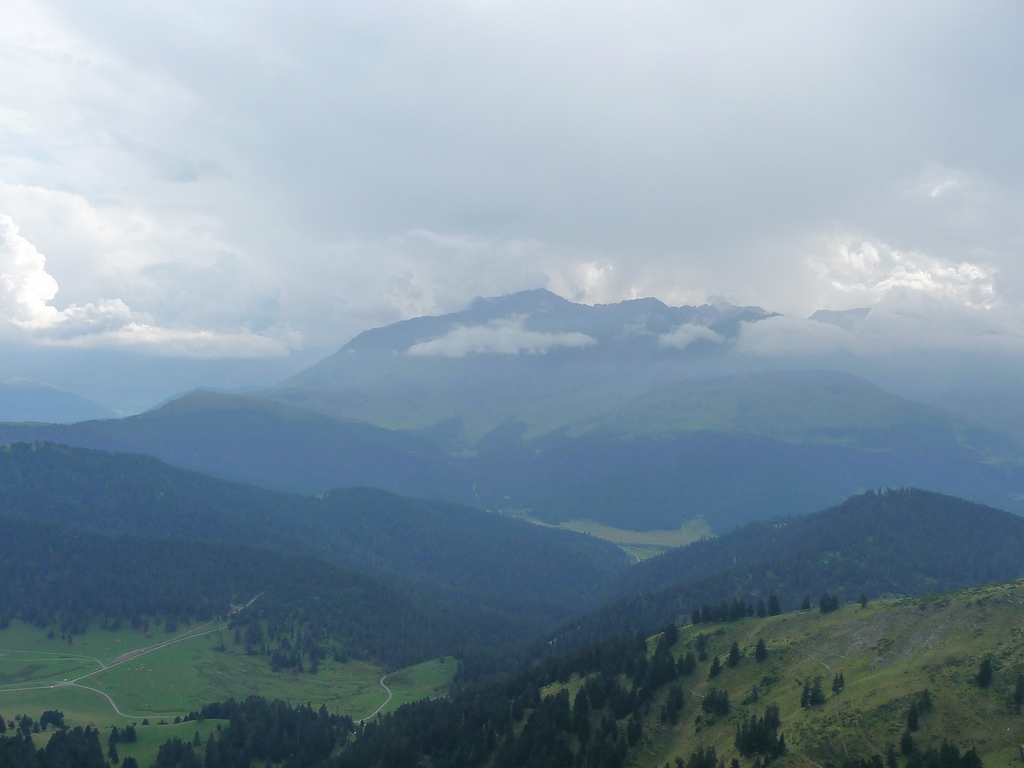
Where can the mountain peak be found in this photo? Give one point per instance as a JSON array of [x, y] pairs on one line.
[[520, 302]]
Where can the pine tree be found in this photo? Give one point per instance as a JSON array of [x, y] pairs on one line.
[[863, 600], [925, 704], [817, 695], [907, 745], [806, 604], [985, 673], [761, 651], [734, 654], [716, 668], [828, 603], [774, 608], [762, 609], [633, 730], [687, 664], [912, 721], [838, 683], [702, 647]]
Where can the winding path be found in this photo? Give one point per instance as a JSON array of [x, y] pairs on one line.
[[190, 634], [378, 709]]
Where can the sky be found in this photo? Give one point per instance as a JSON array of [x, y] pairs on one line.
[[225, 183]]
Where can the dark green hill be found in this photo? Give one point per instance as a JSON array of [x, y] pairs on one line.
[[516, 568], [72, 581], [880, 544]]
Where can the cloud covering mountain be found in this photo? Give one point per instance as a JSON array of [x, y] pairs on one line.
[[217, 182]]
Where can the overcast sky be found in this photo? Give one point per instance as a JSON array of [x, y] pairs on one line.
[[251, 179]]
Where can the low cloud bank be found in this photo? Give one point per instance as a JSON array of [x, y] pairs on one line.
[[686, 334], [504, 337], [909, 301], [896, 325]]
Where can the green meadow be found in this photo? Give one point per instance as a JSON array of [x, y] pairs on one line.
[[643, 544], [37, 673]]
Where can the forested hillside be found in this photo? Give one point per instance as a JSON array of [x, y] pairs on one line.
[[74, 581], [879, 544], [429, 541], [514, 571]]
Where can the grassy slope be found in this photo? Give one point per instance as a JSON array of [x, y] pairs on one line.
[[888, 653], [642, 545], [182, 677]]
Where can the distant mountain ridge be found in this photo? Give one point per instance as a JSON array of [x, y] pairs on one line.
[[532, 404], [26, 400], [729, 449], [532, 356]]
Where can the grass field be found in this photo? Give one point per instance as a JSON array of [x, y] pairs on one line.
[[643, 544], [640, 544], [180, 677], [889, 653]]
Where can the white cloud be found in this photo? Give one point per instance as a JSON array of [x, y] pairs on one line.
[[337, 166], [897, 324], [787, 336], [871, 270], [27, 291], [686, 334], [503, 337]]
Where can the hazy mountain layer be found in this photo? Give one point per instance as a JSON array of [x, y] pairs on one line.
[[729, 449], [268, 443], [24, 400]]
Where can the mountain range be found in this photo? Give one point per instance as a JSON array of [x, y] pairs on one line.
[[533, 405]]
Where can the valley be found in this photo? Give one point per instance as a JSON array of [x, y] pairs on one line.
[[606, 555]]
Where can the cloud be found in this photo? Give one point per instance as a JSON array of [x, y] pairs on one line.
[[686, 334], [27, 290], [875, 269], [503, 337], [337, 166], [897, 324]]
